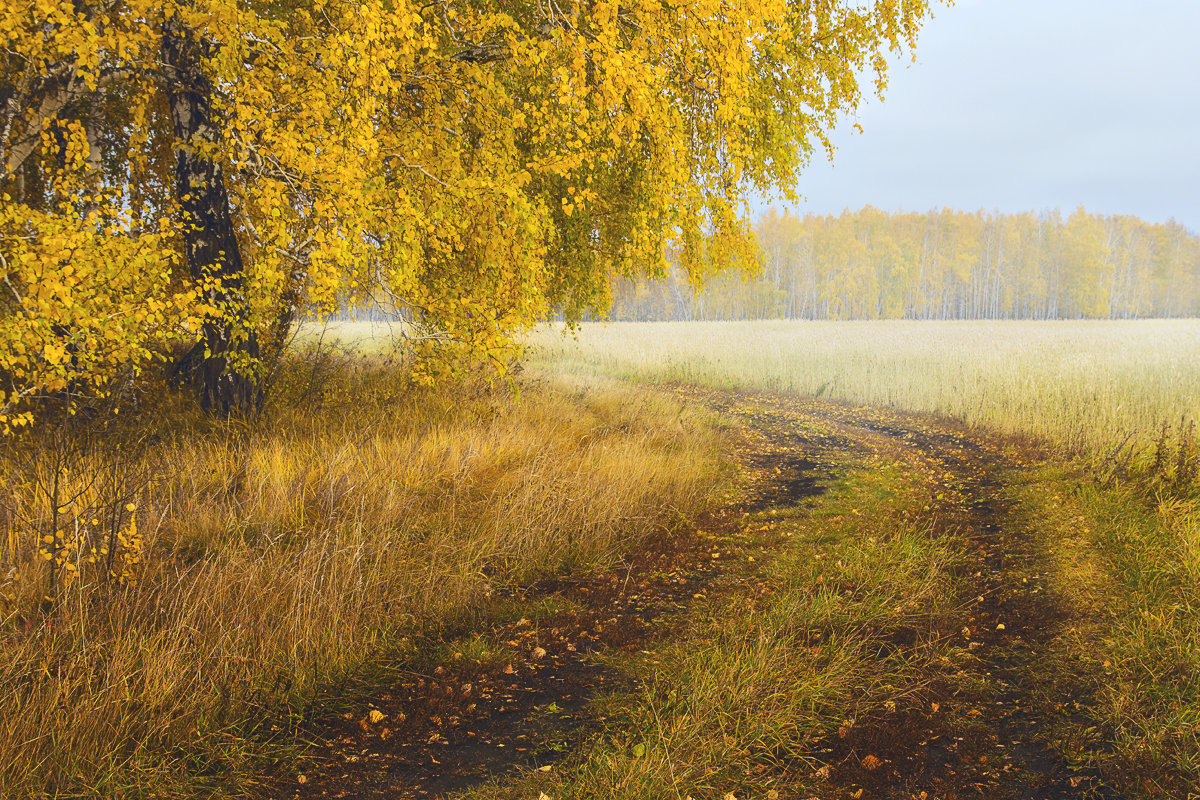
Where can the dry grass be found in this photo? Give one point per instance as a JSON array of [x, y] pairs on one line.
[[267, 562], [1122, 524], [1084, 385]]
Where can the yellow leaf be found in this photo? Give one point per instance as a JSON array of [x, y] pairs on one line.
[[54, 353]]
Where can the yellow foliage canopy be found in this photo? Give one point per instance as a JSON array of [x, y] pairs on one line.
[[482, 164]]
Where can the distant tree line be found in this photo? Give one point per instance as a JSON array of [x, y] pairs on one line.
[[946, 264]]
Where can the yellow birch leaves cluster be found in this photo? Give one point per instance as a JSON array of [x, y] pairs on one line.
[[476, 166]]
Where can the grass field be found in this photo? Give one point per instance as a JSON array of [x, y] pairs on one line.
[[243, 572], [174, 590], [1114, 497], [1083, 385]]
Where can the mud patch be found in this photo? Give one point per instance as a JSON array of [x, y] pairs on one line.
[[795, 479], [446, 733]]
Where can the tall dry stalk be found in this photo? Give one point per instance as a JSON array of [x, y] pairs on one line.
[[275, 560]]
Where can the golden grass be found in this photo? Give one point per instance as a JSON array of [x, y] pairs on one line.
[[1084, 385], [262, 564], [276, 559]]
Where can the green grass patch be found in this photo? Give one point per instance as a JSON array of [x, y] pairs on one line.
[[1129, 567], [835, 624]]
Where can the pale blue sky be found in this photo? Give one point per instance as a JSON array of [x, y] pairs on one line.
[[1028, 105]]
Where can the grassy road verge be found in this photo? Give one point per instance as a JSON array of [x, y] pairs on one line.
[[1129, 564], [176, 596]]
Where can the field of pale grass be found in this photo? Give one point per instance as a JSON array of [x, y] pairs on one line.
[[1085, 385]]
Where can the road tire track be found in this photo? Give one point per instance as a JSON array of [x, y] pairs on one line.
[[982, 733]]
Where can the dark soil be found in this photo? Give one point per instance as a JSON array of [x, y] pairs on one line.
[[980, 733]]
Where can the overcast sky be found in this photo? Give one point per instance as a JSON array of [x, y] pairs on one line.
[[1023, 105]]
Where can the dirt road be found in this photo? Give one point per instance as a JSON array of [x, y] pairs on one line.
[[986, 731], [524, 701]]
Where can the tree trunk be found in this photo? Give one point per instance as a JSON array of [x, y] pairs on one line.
[[222, 363]]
